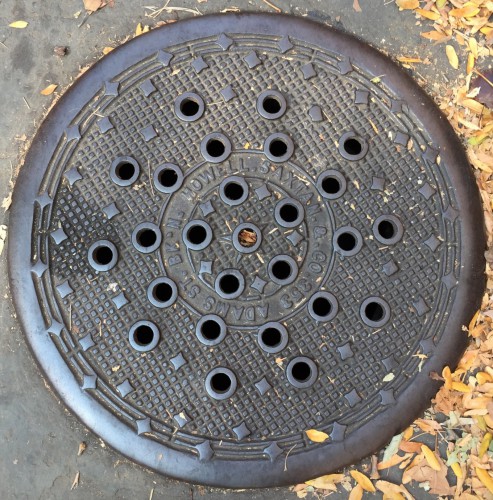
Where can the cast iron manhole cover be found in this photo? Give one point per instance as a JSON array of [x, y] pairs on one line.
[[237, 228]]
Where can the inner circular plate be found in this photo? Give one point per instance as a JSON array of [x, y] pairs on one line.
[[237, 228]]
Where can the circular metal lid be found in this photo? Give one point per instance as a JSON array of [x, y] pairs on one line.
[[235, 229]]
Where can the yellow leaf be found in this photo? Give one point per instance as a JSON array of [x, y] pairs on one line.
[[430, 458], [138, 30], [485, 478], [49, 90], [408, 433], [18, 24], [407, 4], [473, 47], [470, 63], [428, 14], [316, 436], [467, 11], [488, 421], [107, 50], [441, 3], [392, 491], [485, 444], [356, 493], [452, 56], [363, 481], [325, 482], [457, 470], [483, 378], [460, 387]]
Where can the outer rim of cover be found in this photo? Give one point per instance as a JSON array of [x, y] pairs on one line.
[[321, 458]]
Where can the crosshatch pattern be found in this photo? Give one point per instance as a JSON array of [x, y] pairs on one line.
[[161, 391]]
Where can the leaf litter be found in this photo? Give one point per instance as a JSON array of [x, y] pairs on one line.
[[461, 466]]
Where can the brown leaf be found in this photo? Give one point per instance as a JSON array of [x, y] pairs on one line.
[[60, 50], [49, 90], [356, 6], [93, 5], [437, 479], [410, 446], [82, 447]]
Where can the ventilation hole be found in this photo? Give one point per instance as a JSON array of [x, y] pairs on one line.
[[331, 185], [167, 177], [215, 148], [278, 148], [233, 190], [102, 255], [271, 105], [210, 329], [162, 292], [271, 337], [196, 235], [322, 307], [346, 241], [247, 237], [288, 212], [189, 107], [281, 270], [143, 335], [374, 311], [301, 371], [220, 382], [146, 238], [229, 284], [352, 146], [125, 170], [386, 229]]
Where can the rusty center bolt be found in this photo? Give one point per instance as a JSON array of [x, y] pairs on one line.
[[247, 238]]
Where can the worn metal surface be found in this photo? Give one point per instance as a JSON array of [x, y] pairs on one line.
[[238, 230]]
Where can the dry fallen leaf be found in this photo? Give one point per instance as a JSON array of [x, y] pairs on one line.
[[356, 493], [393, 491], [326, 482], [316, 436], [19, 24], [430, 457], [407, 4], [82, 447], [485, 478], [93, 5], [107, 50], [362, 480], [452, 56], [3, 237], [49, 90], [356, 6], [76, 481], [428, 14], [7, 201]]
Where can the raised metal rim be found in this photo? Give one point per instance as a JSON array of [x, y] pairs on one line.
[[312, 463]]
